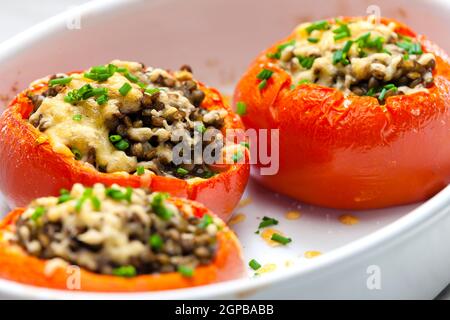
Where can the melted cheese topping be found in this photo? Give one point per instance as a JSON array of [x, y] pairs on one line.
[[363, 63], [91, 131]]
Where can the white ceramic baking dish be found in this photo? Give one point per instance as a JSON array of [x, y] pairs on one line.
[[397, 252]]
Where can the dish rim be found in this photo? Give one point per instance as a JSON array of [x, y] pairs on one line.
[[431, 210]]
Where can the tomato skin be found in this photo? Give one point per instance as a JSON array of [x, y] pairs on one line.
[[30, 168], [16, 265], [351, 152]]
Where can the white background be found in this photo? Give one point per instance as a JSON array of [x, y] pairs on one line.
[[19, 15]]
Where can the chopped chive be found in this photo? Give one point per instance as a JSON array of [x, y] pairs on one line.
[[115, 138], [342, 31], [155, 241], [266, 222], [76, 153], [131, 77], [86, 92], [152, 91], [115, 194], [262, 84], [280, 239], [387, 51], [77, 117], [406, 56], [319, 25], [125, 88], [371, 92], [306, 62], [87, 193], [362, 40], [313, 40], [208, 174], [182, 171], [410, 47], [38, 212], [200, 128], [125, 271], [64, 198], [254, 264], [264, 74], [158, 206], [122, 145], [241, 108], [96, 204], [140, 170], [238, 155], [340, 56], [385, 90], [303, 81], [102, 99], [245, 144], [63, 191], [377, 43], [59, 81], [128, 194], [280, 48], [347, 46], [206, 221], [186, 271]]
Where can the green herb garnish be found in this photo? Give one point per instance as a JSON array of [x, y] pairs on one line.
[[264, 74], [342, 32], [267, 222], [280, 48], [152, 91], [313, 40], [200, 128], [318, 25], [101, 73], [306, 62], [158, 206], [38, 212], [122, 145], [77, 153], [77, 117], [59, 81], [155, 241], [254, 264], [186, 271], [115, 138], [241, 108], [125, 88], [125, 271], [238, 155], [410, 47], [140, 170], [280, 239], [206, 221], [182, 171]]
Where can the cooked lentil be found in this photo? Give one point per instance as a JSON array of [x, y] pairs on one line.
[[123, 232], [359, 56], [124, 116]]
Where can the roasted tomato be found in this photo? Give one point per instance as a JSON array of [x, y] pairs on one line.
[[121, 123], [362, 108], [117, 239]]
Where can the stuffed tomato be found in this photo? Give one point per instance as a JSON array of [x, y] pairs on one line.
[[362, 108], [116, 239], [121, 123]]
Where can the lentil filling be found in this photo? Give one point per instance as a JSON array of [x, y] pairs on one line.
[[118, 231], [361, 56], [126, 117]]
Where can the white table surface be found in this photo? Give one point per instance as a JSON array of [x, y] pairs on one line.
[[20, 15]]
